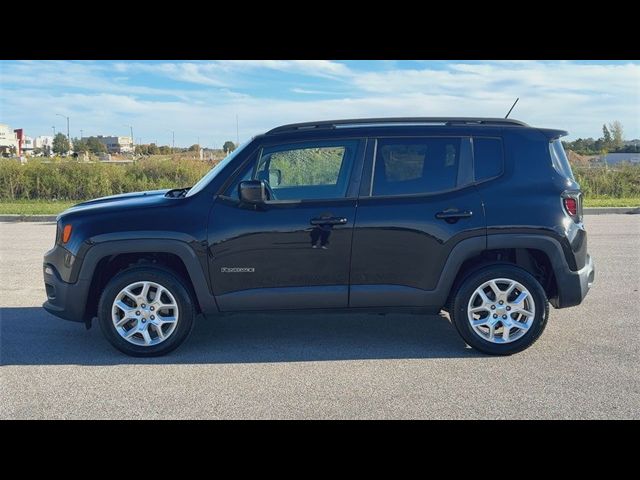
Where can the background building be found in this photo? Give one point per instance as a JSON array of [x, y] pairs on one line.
[[8, 140], [20, 137], [115, 144], [27, 145], [44, 142]]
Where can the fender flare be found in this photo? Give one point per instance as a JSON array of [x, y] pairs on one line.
[[471, 247], [100, 247]]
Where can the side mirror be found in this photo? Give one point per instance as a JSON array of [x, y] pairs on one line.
[[252, 191], [275, 176]]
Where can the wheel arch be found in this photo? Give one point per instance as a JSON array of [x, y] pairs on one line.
[[103, 260], [541, 256]]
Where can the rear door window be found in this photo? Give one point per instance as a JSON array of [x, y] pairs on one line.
[[416, 165]]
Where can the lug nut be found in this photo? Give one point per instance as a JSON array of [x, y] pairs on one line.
[[143, 305], [144, 320], [508, 308], [493, 307], [500, 302], [504, 316], [152, 308], [495, 316], [153, 317], [137, 312]]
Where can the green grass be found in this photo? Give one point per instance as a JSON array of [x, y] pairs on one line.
[[50, 207], [612, 202], [33, 207]]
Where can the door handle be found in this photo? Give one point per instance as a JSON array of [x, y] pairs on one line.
[[453, 214], [329, 221]]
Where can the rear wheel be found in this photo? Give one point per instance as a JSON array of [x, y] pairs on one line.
[[500, 310], [145, 312]]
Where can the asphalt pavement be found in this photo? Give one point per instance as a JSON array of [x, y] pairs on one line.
[[585, 365]]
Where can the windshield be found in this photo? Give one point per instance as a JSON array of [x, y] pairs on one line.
[[211, 174]]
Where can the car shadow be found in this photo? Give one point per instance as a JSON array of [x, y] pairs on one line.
[[31, 336]]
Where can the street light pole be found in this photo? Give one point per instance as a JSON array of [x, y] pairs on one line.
[[133, 143], [68, 136]]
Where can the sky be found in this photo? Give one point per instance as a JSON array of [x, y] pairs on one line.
[[199, 100]]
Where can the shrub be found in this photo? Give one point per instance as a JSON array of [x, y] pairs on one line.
[[71, 180], [601, 182]]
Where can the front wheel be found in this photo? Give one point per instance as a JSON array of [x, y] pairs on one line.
[[145, 312], [500, 310]]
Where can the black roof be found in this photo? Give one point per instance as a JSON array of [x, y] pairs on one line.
[[365, 122]]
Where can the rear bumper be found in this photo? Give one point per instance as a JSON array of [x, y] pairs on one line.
[[573, 286], [64, 300]]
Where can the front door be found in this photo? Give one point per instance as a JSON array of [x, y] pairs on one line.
[[418, 204], [294, 250]]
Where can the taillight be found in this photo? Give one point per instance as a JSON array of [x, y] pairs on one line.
[[571, 206]]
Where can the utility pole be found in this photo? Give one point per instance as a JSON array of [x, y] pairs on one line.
[[237, 132], [81, 134], [173, 141], [54, 130]]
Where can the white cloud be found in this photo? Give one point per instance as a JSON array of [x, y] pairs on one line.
[[306, 91], [100, 98], [320, 68]]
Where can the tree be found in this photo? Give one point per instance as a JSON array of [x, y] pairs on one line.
[[617, 132], [152, 149], [60, 144], [606, 138], [141, 149], [95, 146], [228, 146], [194, 148], [80, 145]]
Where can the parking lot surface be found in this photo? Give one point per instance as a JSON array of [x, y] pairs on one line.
[[585, 365]]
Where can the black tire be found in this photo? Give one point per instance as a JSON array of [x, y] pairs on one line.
[[169, 281], [462, 296]]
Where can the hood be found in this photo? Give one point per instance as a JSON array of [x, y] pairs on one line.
[[121, 202]]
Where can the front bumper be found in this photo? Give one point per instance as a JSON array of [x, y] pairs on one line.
[[64, 300], [573, 286]]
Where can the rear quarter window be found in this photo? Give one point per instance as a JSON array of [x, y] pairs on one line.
[[559, 159], [488, 157]]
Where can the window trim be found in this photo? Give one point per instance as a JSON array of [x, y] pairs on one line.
[[466, 160], [373, 166], [353, 184]]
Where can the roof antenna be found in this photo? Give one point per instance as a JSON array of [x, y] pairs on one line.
[[514, 104]]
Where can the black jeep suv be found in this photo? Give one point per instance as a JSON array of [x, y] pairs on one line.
[[480, 217]]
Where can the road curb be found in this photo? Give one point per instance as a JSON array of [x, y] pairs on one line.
[[609, 210], [28, 218]]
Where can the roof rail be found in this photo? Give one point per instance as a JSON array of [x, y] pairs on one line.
[[356, 122]]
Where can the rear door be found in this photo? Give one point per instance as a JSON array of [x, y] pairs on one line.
[[418, 203], [294, 250]]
